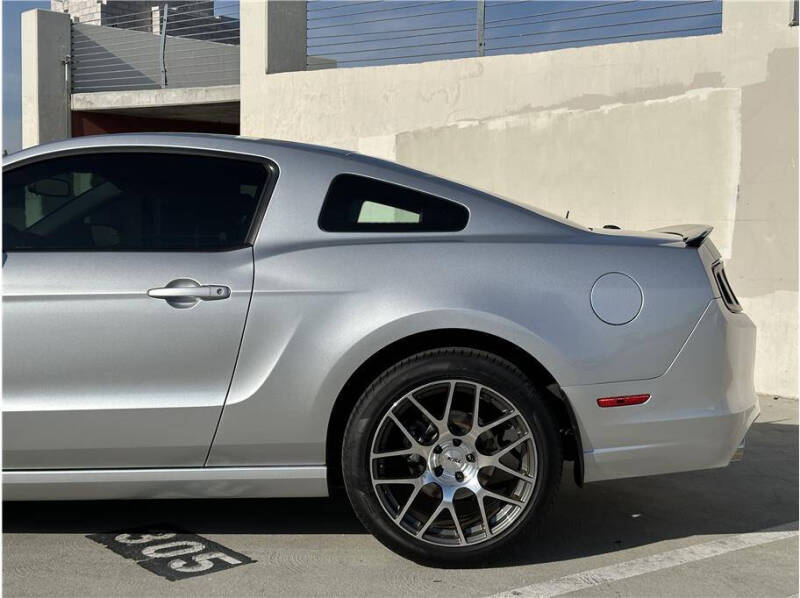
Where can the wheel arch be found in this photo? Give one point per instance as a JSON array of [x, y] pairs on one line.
[[382, 359]]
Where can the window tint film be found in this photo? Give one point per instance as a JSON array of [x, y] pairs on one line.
[[130, 202], [360, 204]]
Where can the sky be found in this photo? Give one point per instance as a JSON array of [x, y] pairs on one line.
[[363, 32]]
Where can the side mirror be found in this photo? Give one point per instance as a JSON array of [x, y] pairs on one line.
[[50, 188]]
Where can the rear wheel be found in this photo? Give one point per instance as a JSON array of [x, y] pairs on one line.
[[449, 455]]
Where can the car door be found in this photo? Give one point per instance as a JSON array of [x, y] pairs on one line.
[[126, 283]]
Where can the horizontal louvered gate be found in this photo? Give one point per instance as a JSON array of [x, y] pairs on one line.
[[155, 48]]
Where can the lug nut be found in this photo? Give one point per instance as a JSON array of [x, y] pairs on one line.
[[456, 442], [437, 450], [471, 458], [438, 470], [459, 476]]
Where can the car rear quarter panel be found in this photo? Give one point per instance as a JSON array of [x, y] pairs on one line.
[[323, 303]]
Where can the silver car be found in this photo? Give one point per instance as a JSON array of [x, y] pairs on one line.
[[213, 316]]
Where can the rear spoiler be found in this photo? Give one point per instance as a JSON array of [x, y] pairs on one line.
[[692, 234]]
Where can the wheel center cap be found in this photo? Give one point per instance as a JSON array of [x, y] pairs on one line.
[[453, 462], [453, 459]]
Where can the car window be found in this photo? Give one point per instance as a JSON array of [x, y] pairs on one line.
[[360, 204], [130, 202]]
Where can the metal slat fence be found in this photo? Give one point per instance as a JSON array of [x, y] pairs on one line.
[[189, 45], [377, 32], [156, 48]]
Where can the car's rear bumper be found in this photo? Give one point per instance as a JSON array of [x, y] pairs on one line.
[[698, 414]]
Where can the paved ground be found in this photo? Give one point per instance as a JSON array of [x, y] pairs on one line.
[[317, 548]]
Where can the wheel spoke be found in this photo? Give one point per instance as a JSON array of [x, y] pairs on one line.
[[449, 405], [484, 518], [476, 407], [497, 422], [454, 517], [505, 450], [410, 500], [442, 506], [424, 411], [490, 494], [398, 453], [414, 481], [519, 474], [406, 433]]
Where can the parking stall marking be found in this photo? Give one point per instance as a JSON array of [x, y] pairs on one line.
[[649, 564], [173, 555]]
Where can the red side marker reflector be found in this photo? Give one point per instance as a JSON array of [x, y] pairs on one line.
[[622, 401]]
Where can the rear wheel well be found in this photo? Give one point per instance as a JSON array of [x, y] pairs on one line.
[[451, 337]]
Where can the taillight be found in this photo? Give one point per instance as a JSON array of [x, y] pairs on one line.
[[728, 296]]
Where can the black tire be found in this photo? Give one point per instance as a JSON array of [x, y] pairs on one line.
[[442, 364]]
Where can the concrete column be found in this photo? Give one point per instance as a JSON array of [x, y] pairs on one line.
[[45, 94], [273, 37], [285, 24]]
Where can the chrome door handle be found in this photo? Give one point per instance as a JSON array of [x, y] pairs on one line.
[[208, 292], [185, 292]]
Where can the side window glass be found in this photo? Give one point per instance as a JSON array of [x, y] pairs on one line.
[[375, 212], [361, 204], [130, 201]]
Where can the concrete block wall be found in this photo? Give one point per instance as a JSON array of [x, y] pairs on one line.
[[102, 11], [80, 11], [128, 14], [640, 134]]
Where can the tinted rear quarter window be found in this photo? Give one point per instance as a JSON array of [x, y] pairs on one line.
[[356, 203]]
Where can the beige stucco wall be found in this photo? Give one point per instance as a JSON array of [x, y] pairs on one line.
[[640, 134]]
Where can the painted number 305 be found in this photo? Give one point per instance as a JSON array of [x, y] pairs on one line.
[[173, 555], [167, 550]]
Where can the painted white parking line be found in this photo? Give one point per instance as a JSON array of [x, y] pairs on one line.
[[648, 564]]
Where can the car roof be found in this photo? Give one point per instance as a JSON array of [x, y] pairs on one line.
[[208, 141]]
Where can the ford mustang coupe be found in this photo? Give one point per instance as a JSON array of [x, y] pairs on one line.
[[213, 316]]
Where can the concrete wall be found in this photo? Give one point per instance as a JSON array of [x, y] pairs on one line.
[[640, 134], [276, 36], [45, 97]]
